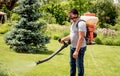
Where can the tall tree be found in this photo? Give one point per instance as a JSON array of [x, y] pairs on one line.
[[26, 35], [106, 11], [58, 12], [54, 10]]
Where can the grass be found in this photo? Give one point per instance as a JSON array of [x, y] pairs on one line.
[[100, 60], [4, 28]]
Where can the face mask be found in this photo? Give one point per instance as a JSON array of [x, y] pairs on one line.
[[69, 19]]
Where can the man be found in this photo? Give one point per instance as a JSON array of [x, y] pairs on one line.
[[78, 43]]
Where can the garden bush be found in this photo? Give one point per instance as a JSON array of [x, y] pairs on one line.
[[15, 17], [56, 37], [98, 41], [106, 12], [55, 12], [117, 25], [108, 37], [49, 18], [107, 41]]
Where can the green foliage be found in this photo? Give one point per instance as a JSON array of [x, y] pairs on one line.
[[26, 36], [49, 18], [107, 41], [56, 37], [98, 41], [56, 10], [15, 17], [57, 31], [66, 33], [81, 5], [105, 25], [117, 25], [108, 37], [118, 20], [4, 9], [106, 11], [4, 27]]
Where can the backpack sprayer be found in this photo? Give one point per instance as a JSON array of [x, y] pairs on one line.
[[55, 53]]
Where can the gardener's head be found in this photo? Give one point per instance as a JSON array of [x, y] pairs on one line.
[[73, 15]]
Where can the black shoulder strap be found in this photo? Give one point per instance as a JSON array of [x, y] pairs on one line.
[[86, 37], [79, 21]]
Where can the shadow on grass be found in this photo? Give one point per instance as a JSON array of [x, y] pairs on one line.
[[49, 52]]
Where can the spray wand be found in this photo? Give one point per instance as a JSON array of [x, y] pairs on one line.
[[53, 54]]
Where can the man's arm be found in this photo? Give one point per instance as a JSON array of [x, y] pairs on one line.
[[67, 38], [79, 44]]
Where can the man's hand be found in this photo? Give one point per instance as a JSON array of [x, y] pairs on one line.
[[61, 41], [75, 54]]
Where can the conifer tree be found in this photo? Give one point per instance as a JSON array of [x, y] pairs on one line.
[[26, 36]]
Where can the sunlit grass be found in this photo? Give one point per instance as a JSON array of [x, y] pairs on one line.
[[100, 60]]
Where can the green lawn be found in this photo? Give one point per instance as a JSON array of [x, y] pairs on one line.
[[100, 60]]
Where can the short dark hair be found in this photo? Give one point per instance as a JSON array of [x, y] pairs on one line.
[[74, 11]]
